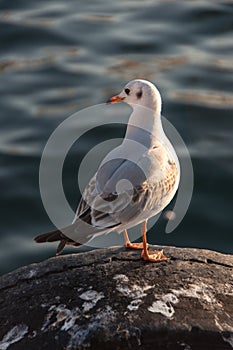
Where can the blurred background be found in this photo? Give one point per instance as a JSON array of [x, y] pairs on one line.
[[57, 57]]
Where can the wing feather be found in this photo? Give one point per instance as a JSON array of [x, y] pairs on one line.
[[103, 207]]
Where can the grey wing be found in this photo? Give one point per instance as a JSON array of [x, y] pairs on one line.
[[113, 172], [115, 195]]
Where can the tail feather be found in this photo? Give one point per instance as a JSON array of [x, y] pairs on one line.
[[80, 230], [60, 247], [51, 236], [54, 236]]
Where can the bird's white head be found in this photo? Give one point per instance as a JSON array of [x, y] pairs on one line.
[[139, 92]]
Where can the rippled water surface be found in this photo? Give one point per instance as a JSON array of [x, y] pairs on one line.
[[57, 57]]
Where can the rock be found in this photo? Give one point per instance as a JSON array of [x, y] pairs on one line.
[[111, 299]]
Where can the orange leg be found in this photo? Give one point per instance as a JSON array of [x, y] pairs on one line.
[[156, 256], [130, 245]]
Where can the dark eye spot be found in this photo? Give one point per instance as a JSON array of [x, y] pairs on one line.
[[139, 94], [127, 91]]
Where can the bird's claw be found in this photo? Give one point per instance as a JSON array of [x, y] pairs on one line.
[[155, 256], [130, 245]]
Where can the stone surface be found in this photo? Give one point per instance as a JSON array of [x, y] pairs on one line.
[[111, 299]]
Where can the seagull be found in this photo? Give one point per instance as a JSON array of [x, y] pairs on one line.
[[134, 182]]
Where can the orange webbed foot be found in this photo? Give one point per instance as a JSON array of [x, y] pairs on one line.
[[130, 245], [154, 256]]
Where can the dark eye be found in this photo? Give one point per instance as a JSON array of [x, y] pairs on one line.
[[127, 91]]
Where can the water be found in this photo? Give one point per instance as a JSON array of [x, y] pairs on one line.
[[58, 57]]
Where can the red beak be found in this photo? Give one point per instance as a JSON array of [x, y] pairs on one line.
[[115, 99]]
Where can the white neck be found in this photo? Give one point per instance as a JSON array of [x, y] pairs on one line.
[[144, 126]]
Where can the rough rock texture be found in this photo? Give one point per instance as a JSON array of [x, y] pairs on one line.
[[110, 299]]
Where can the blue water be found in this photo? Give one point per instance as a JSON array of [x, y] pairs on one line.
[[57, 57]]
